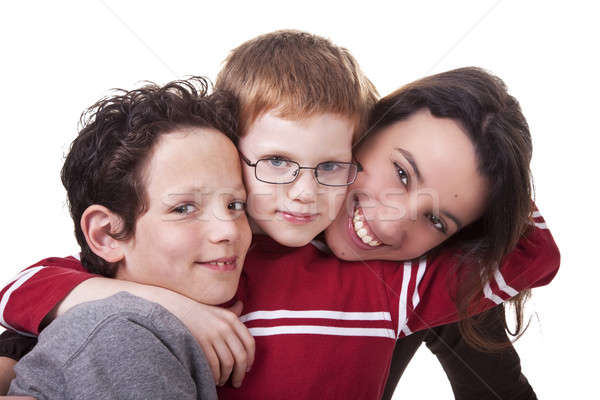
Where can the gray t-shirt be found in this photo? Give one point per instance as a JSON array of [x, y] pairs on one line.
[[122, 347]]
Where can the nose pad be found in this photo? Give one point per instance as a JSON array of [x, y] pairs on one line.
[[304, 187]]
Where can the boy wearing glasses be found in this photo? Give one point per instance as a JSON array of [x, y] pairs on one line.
[[298, 125]]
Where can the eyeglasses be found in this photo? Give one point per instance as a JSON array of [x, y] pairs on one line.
[[280, 171]]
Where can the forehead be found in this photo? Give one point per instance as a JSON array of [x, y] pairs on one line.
[[306, 139], [192, 157]]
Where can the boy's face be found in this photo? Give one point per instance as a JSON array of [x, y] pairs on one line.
[[294, 213], [194, 235]]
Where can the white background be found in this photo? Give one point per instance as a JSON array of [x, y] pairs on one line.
[[59, 57]]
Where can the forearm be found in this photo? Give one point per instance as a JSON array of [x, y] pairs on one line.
[[404, 351], [475, 374], [7, 373], [225, 340], [118, 346], [100, 288], [12, 348]]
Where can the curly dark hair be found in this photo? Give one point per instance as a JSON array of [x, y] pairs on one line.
[[496, 126], [117, 134]]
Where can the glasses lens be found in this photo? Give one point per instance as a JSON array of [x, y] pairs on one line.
[[336, 173], [274, 170]]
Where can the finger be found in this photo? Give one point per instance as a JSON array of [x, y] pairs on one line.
[[240, 356], [213, 361], [247, 340], [225, 360]]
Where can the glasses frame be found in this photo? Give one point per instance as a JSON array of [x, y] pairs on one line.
[[300, 167]]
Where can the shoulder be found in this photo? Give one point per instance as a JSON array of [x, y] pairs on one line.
[[116, 315]]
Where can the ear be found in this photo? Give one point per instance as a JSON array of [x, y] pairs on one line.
[[97, 223]]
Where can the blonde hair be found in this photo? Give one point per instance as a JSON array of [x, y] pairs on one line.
[[297, 74]]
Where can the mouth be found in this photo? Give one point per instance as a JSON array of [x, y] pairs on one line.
[[361, 233], [296, 217], [220, 264]]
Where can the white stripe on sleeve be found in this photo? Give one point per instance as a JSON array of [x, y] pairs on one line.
[[541, 225], [420, 273], [22, 277], [487, 292], [402, 303], [503, 286]]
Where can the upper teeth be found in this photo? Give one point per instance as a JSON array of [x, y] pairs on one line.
[[361, 230]]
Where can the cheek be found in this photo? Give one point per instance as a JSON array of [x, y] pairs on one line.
[[245, 234], [176, 241], [248, 175], [422, 239], [261, 198], [375, 176], [257, 190], [393, 205], [331, 201]]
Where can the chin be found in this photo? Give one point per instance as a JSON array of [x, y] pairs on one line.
[[292, 241], [344, 254], [219, 296], [291, 237]]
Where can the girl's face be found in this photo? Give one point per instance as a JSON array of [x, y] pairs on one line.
[[420, 185]]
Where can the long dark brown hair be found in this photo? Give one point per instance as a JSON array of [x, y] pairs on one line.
[[493, 121]]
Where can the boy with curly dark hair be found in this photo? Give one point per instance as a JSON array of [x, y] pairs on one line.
[[156, 195]]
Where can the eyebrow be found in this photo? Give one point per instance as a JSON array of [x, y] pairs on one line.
[[411, 160], [183, 191], [267, 149]]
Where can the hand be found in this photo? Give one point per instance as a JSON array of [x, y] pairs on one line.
[[227, 344], [7, 373]]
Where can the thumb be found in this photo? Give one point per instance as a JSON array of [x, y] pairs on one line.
[[237, 308]]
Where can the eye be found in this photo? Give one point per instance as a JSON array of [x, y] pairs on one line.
[[402, 175], [329, 166], [237, 205], [437, 223], [184, 209], [278, 162]]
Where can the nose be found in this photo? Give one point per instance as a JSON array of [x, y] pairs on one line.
[[304, 188], [394, 231], [223, 229], [397, 217]]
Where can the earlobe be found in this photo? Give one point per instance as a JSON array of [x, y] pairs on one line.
[[97, 224]]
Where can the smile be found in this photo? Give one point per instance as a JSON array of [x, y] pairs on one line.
[[298, 218], [362, 229], [221, 264]]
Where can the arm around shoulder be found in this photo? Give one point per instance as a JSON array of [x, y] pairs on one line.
[[125, 349]]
